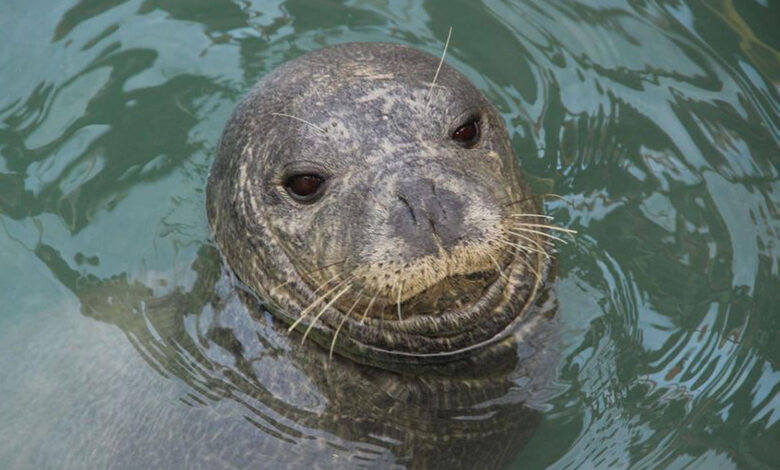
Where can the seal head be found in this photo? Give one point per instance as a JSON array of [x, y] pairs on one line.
[[382, 214]]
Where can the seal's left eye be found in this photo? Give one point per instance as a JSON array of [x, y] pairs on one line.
[[304, 188], [467, 135]]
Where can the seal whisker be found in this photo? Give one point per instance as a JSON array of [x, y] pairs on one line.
[[325, 283], [312, 125], [498, 267], [536, 275], [521, 247], [282, 285], [543, 234], [515, 245], [441, 62], [550, 227], [322, 311], [317, 301], [329, 265], [341, 323], [312, 272], [398, 302], [335, 335], [531, 269], [537, 244], [535, 196], [365, 314], [323, 268], [531, 215], [315, 290]]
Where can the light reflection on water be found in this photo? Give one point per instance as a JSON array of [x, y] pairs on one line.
[[657, 123]]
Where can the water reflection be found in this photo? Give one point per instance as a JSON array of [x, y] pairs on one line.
[[209, 338]]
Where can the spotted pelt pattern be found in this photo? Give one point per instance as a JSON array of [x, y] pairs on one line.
[[368, 118]]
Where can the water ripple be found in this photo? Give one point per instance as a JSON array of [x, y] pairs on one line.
[[656, 125]]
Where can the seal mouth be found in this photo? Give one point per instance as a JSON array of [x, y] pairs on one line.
[[453, 292], [422, 320], [429, 335], [415, 330]]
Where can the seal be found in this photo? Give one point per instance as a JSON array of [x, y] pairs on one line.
[[372, 200], [369, 194]]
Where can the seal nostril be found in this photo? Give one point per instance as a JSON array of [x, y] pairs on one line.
[[408, 207], [442, 206], [433, 227]]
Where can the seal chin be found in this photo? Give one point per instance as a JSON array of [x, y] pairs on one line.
[[453, 292], [456, 292], [442, 336]]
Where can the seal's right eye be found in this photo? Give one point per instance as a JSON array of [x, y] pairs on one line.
[[467, 135], [304, 187]]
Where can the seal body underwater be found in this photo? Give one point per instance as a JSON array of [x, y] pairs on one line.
[[369, 193]]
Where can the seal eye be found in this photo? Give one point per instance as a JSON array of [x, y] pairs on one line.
[[304, 188], [467, 135]]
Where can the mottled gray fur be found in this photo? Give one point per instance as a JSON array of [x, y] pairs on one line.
[[410, 221]]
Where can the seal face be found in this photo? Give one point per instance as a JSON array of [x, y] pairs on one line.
[[381, 211]]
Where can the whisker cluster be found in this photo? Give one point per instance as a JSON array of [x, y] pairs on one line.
[[368, 308], [534, 233], [398, 300], [322, 311], [295, 278], [319, 299], [341, 323], [524, 233]]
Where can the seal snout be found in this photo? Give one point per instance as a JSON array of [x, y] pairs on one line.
[[426, 217]]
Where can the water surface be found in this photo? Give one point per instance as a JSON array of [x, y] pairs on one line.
[[656, 124]]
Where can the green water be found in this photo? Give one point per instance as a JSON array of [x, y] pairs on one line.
[[657, 123]]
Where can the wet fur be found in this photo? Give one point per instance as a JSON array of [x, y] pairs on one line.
[[370, 117]]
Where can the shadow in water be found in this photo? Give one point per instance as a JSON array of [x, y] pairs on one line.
[[223, 345]]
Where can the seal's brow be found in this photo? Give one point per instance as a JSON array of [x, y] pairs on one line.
[[441, 62], [314, 126]]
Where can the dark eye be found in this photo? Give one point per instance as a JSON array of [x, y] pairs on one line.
[[467, 135], [304, 188]]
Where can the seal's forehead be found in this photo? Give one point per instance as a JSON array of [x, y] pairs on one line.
[[369, 60], [347, 70], [361, 98]]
